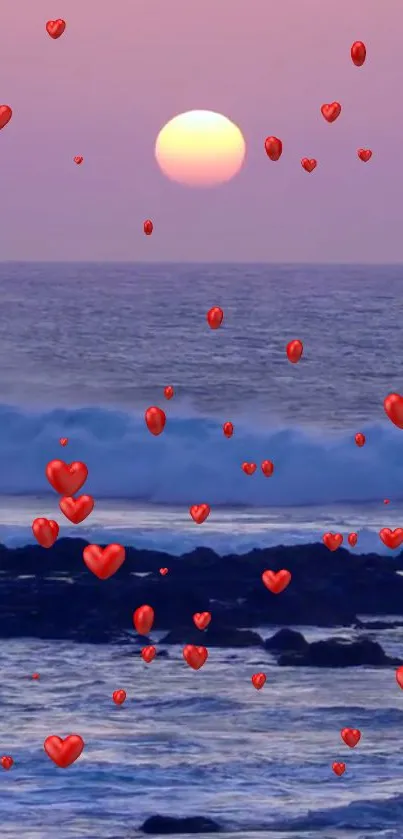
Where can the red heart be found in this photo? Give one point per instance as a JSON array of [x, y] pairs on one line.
[[163, 571], [119, 697], [249, 468], [331, 112], [64, 752], [148, 654], [309, 164], [7, 762], [360, 439], [351, 736], [199, 512], [276, 581], [393, 407], [215, 317], [273, 147], [155, 420], [258, 680], [66, 478], [195, 656], [55, 28], [169, 392], [391, 538], [35, 676], [104, 562], [228, 429], [332, 540], [339, 768], [45, 531], [63, 441], [148, 227], [77, 509], [143, 619], [294, 350], [78, 159], [267, 468], [399, 676], [202, 619], [358, 53], [5, 115], [352, 539], [364, 154]]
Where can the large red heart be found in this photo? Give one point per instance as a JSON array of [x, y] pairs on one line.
[[55, 28], [155, 420], [332, 540], [249, 468], [351, 736], [199, 512], [195, 656], [5, 115], [104, 562], [45, 531], [77, 509], [276, 581], [258, 680], [331, 112], [64, 752], [391, 538], [393, 407], [143, 619], [202, 619], [66, 478]]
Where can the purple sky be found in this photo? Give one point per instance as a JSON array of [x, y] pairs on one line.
[[121, 70]]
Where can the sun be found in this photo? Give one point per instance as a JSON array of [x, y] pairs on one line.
[[200, 149]]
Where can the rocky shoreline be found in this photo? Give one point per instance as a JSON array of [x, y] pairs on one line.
[[51, 594]]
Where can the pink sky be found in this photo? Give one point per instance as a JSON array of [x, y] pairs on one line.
[[122, 69]]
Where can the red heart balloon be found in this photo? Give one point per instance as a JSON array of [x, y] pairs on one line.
[[399, 677], [143, 619], [391, 538], [155, 420], [309, 164], [258, 680], [104, 562], [202, 619], [332, 540], [352, 539], [276, 581], [294, 350], [45, 531], [148, 227], [77, 509], [358, 53], [64, 752], [163, 571], [267, 468], [169, 392], [393, 407], [360, 439], [364, 154], [228, 429], [7, 762], [273, 148], [195, 657], [63, 441], [148, 654], [119, 697], [5, 115], [331, 112], [339, 768], [199, 512], [351, 736], [55, 28], [65, 478], [215, 317], [249, 468], [78, 159]]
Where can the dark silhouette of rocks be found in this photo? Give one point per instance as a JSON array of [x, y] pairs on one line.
[[52, 594], [286, 640], [213, 636], [168, 825], [338, 652]]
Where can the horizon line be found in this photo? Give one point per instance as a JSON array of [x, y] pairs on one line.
[[192, 262]]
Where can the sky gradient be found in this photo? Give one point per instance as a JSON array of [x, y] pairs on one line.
[[120, 71]]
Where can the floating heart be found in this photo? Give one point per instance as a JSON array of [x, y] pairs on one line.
[[331, 112], [155, 420], [55, 28], [64, 752], [332, 540], [45, 531], [258, 680], [63, 441], [77, 509], [393, 407], [273, 147], [360, 439], [215, 317], [66, 478], [199, 512], [78, 159], [249, 468], [309, 164], [339, 768], [169, 392], [148, 654], [267, 468], [148, 227], [119, 697], [358, 53], [276, 581], [195, 657], [104, 562], [7, 762], [399, 677], [294, 350], [35, 676], [351, 736], [143, 619], [391, 538], [5, 115], [163, 571], [364, 154], [352, 539], [228, 429], [202, 619]]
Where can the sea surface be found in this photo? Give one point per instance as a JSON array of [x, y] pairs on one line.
[[85, 349]]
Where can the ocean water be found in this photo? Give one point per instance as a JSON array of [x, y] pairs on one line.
[[87, 348]]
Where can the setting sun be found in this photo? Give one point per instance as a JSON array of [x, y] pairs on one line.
[[200, 148]]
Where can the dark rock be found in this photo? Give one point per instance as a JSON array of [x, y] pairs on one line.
[[286, 640], [221, 636], [168, 825], [338, 652]]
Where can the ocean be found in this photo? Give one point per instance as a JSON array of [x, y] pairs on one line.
[[85, 350]]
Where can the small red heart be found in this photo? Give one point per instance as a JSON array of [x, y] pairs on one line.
[[64, 752], [148, 654], [45, 531], [258, 680], [202, 619], [155, 420], [399, 676], [169, 392], [393, 407], [364, 154], [7, 762], [66, 478], [215, 317], [77, 509], [273, 147], [358, 53], [148, 227], [360, 439], [351, 736], [228, 429], [55, 28], [391, 538], [199, 512], [143, 619], [309, 163], [294, 350], [78, 159], [332, 540], [352, 539], [267, 468], [386, 501], [331, 112], [35, 676], [119, 697], [104, 562], [5, 115], [63, 441], [249, 468], [163, 571], [339, 768], [195, 657], [276, 581]]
